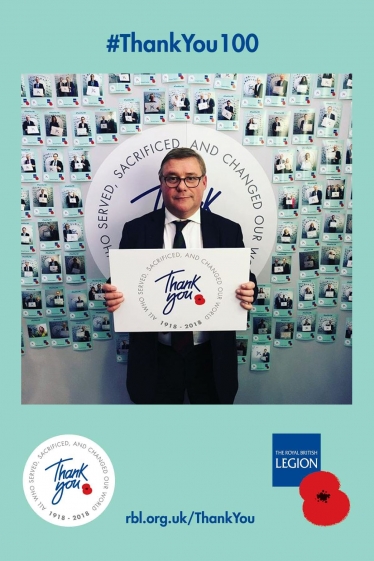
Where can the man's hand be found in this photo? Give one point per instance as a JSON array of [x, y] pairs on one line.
[[113, 298], [245, 294]]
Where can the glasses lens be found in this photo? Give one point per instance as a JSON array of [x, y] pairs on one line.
[[192, 181]]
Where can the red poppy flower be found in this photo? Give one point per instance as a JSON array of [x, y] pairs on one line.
[[199, 299], [86, 489], [324, 503]]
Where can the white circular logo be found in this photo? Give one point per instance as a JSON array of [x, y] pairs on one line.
[[68, 480], [59, 102], [49, 141], [344, 306], [320, 338], [253, 366], [296, 139], [112, 88], [276, 343], [132, 188], [299, 335], [54, 343], [46, 176]]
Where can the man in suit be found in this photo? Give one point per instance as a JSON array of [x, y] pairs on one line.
[[132, 116], [315, 192], [55, 164], [38, 85], [28, 160], [338, 156], [28, 123], [275, 127], [211, 104], [159, 368], [103, 125], [257, 91], [228, 107], [186, 103], [283, 84], [86, 164], [329, 114], [83, 124], [92, 81]]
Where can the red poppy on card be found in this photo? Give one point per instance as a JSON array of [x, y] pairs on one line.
[[199, 299], [324, 503], [86, 489]]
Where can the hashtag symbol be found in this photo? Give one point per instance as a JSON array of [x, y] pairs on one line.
[[113, 43]]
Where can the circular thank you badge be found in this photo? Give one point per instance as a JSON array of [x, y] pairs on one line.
[[68, 480]]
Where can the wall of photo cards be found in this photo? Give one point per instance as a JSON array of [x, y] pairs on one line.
[[278, 150]]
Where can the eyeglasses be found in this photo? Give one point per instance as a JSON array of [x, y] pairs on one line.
[[173, 181]]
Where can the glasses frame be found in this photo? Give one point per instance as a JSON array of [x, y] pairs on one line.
[[164, 178]]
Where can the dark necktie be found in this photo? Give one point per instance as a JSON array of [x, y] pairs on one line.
[[181, 341]]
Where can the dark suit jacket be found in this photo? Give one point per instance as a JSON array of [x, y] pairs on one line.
[[258, 90], [147, 232]]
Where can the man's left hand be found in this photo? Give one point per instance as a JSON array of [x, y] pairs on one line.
[[245, 294]]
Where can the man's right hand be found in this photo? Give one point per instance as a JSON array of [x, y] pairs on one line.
[[113, 298]]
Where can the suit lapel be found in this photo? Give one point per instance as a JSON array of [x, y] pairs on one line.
[[155, 230], [209, 230]]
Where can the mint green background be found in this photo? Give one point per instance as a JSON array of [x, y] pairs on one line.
[[181, 458]]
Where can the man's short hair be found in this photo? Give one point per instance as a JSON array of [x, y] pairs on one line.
[[181, 154]]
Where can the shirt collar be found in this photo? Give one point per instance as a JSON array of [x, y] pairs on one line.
[[169, 217]]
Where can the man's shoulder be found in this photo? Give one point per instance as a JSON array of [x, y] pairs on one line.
[[146, 218], [211, 217]]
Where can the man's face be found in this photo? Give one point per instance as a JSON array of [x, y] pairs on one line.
[[55, 156], [281, 76], [258, 80], [182, 201], [329, 109]]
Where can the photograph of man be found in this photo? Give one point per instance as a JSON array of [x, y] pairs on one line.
[[43, 198], [58, 299], [51, 265], [65, 87], [25, 236], [314, 196], [102, 125], [288, 201], [304, 125], [29, 123], [211, 104], [38, 88], [258, 88], [92, 82], [28, 270], [67, 230], [28, 161], [185, 103], [202, 363], [112, 124], [337, 159], [348, 82], [53, 233], [151, 104], [74, 266], [72, 199], [306, 164], [86, 164], [329, 291], [55, 165], [332, 224], [279, 166], [328, 115], [82, 125], [348, 157], [130, 116], [280, 86], [201, 103], [276, 127], [228, 107], [265, 356]]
